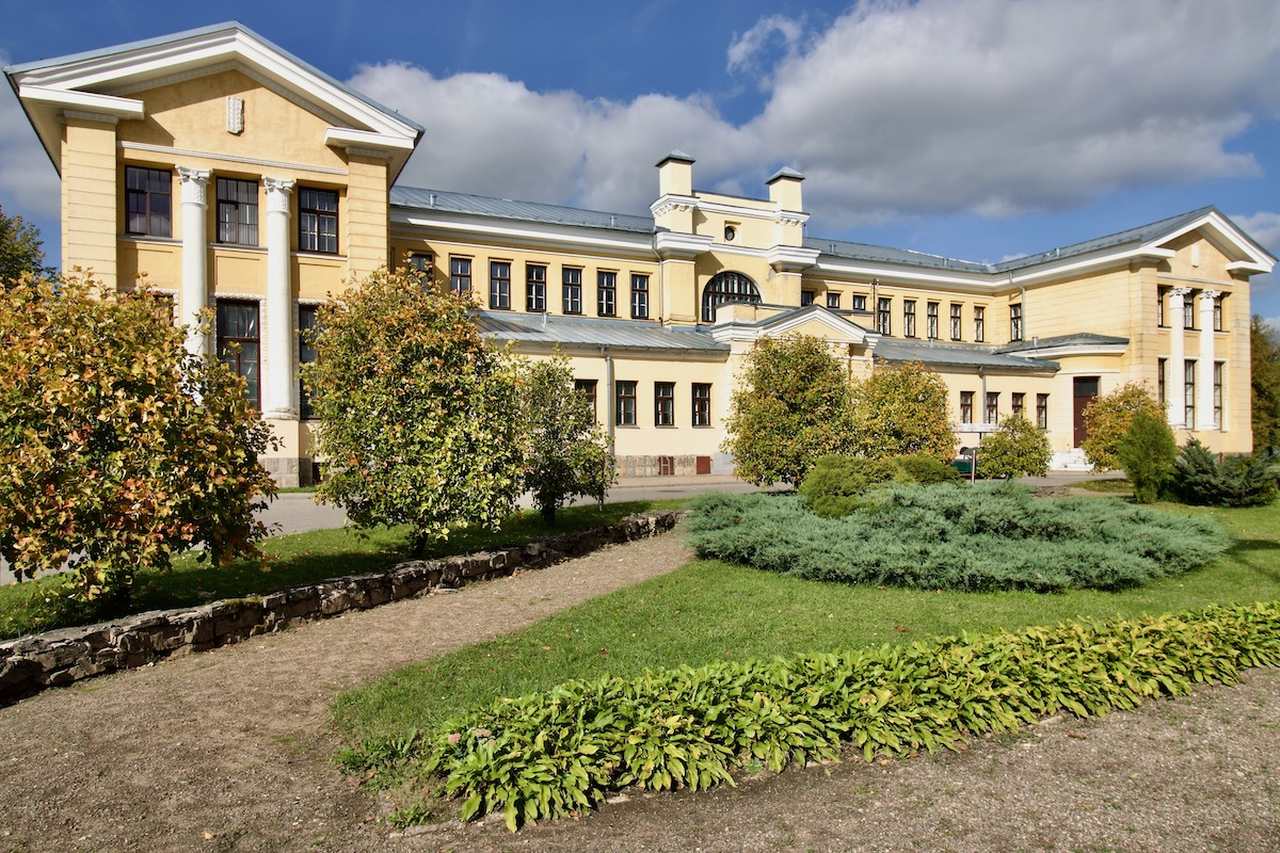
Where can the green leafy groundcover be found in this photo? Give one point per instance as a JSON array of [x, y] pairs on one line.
[[962, 537], [563, 751]]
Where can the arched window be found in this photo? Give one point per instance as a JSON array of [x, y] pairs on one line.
[[726, 287]]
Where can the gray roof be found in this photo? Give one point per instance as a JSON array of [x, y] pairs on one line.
[[1077, 339], [559, 329], [957, 355], [506, 208]]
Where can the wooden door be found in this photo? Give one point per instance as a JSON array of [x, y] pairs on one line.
[[1085, 391]]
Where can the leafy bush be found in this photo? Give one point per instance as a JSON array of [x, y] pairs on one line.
[[118, 448], [987, 537], [565, 750], [926, 470], [1147, 455], [1264, 377], [901, 410], [1199, 478], [1017, 449], [791, 408], [836, 484], [1108, 418]]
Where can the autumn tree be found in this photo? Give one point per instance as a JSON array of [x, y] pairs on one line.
[[901, 410], [1017, 449], [20, 249], [1108, 418], [1264, 348]]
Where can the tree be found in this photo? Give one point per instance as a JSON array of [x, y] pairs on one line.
[[1264, 346], [420, 419], [792, 406], [1147, 454], [1108, 418], [900, 410], [566, 454], [118, 449], [1017, 449], [20, 249]]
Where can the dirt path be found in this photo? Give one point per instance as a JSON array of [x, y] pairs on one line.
[[228, 749]]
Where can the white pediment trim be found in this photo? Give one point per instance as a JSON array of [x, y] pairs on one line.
[[1252, 260]]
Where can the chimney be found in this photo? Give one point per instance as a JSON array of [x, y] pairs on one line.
[[784, 189], [675, 174]]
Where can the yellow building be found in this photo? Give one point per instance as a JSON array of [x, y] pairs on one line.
[[225, 172]]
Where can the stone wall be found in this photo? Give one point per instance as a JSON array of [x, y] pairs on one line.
[[58, 658]]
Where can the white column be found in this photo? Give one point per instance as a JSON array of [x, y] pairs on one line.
[[1175, 384], [279, 388], [195, 257], [1204, 380]]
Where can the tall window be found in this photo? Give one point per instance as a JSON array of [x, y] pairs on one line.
[[1217, 313], [607, 293], [966, 407], [664, 404], [725, 287], [571, 291], [931, 320], [460, 276], [979, 323], [1042, 411], [625, 402], [237, 211], [1017, 403], [701, 404], [858, 302], [1162, 367], [1189, 393], [807, 297], [1189, 310], [1015, 322], [535, 287], [587, 388], [306, 355], [639, 297], [318, 220], [420, 262], [993, 407], [238, 342], [909, 318], [957, 330], [1162, 296], [148, 200], [1217, 394], [833, 299], [884, 315], [500, 285]]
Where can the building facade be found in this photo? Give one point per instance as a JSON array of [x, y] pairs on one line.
[[216, 169]]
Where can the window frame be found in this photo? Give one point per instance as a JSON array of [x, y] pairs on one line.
[[589, 388], [1189, 393], [535, 289], [319, 214], [932, 321], [966, 407], [664, 404], [639, 296], [884, 315], [956, 320], [1015, 322], [221, 181], [571, 291], [166, 178], [833, 300], [858, 302], [1042, 411], [220, 339], [908, 318], [306, 355], [460, 283], [499, 287], [1162, 382], [979, 324], [624, 402], [606, 306], [991, 410], [808, 297], [1162, 297], [1017, 403], [1219, 392], [700, 401], [1218, 313]]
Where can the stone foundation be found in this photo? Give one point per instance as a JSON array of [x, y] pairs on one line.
[[290, 472], [655, 466], [58, 658]]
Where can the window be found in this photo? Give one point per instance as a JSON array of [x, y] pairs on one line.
[[979, 323], [993, 407], [1015, 322], [1161, 367], [1217, 313], [884, 317], [1162, 295], [607, 294], [859, 302], [909, 318], [571, 292], [966, 407], [833, 299], [806, 297], [701, 404], [664, 404], [625, 403], [460, 276], [587, 388], [1017, 404], [1189, 393], [957, 330], [639, 297], [237, 331], [306, 355], [237, 211], [1042, 411], [727, 287], [148, 200], [420, 262], [500, 285], [1217, 393], [318, 220], [535, 287], [931, 319], [1189, 310]]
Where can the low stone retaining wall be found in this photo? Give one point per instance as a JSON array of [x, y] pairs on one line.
[[58, 658]]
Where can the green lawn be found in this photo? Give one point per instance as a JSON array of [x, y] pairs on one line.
[[709, 610], [295, 559]]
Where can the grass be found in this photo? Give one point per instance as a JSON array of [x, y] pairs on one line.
[[293, 560], [1120, 487], [710, 610]]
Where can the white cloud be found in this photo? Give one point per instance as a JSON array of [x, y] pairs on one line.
[[28, 183], [747, 51], [1263, 226]]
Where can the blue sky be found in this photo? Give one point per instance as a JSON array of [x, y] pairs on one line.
[[974, 128]]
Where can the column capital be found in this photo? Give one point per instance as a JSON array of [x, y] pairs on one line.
[[194, 182], [1179, 292], [278, 190], [1210, 295]]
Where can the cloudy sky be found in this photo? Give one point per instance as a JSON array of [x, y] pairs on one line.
[[975, 128]]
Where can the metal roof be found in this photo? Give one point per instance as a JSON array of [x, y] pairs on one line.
[[1077, 339], [559, 329], [506, 208], [957, 355]]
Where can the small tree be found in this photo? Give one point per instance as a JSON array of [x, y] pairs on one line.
[[1108, 418], [1017, 449], [791, 407], [901, 410], [1147, 454], [1264, 353], [118, 449], [566, 454], [20, 251], [420, 419]]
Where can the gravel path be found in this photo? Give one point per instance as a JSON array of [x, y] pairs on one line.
[[230, 749]]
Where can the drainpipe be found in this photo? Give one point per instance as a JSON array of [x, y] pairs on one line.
[[1022, 300], [610, 402], [973, 469]]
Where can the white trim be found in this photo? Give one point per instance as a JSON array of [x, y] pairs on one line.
[[1260, 262], [773, 213], [543, 234], [730, 331], [345, 137], [1070, 350], [791, 258], [84, 101], [149, 148], [671, 244]]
